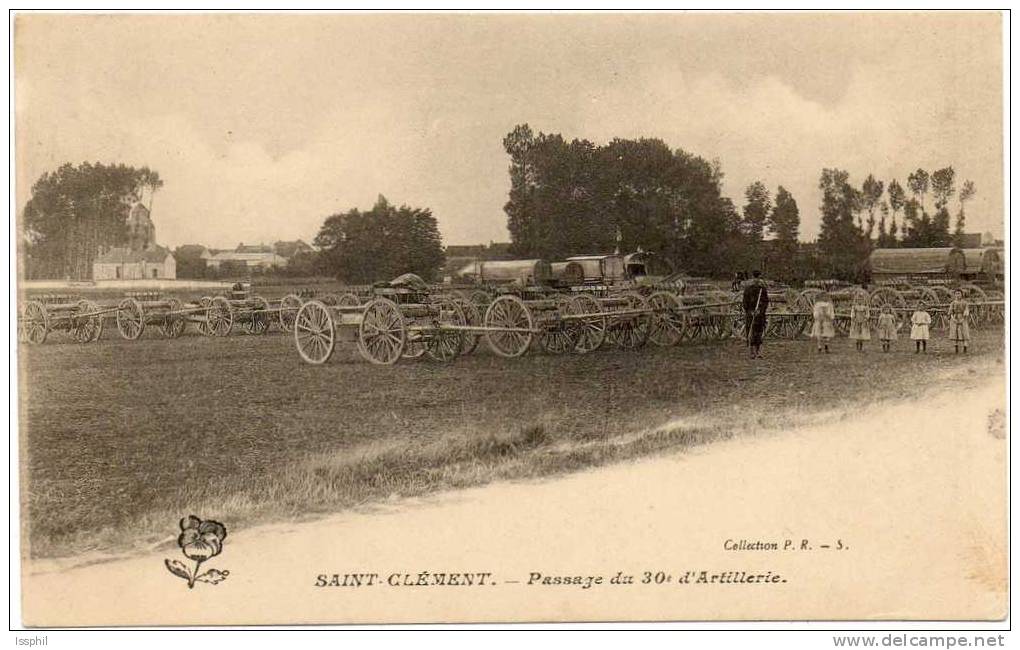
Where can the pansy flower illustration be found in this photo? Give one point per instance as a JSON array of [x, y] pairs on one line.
[[199, 541]]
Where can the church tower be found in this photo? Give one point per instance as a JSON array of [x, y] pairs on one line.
[[141, 231]]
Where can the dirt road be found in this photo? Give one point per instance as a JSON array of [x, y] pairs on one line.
[[916, 498]]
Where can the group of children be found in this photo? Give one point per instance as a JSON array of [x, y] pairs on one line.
[[823, 330]]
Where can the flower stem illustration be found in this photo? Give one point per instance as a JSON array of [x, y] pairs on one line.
[[199, 541]]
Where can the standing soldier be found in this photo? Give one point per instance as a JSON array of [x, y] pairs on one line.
[[756, 303]]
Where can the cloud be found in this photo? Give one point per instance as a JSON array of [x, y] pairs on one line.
[[259, 140]]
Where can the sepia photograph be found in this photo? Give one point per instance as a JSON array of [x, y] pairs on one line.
[[516, 318]]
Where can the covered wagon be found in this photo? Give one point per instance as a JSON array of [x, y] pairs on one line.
[[521, 272], [890, 263]]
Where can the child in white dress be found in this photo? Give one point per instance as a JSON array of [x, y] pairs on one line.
[[920, 321], [886, 329], [860, 328], [824, 314]]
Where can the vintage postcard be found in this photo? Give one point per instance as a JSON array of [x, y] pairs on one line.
[[510, 317]]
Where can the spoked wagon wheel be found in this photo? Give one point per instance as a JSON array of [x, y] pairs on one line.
[[512, 316], [173, 323], [348, 300], [559, 336], [37, 322], [203, 323], [887, 296], [974, 293], [939, 317], [289, 307], [86, 328], [314, 333], [258, 317], [382, 333], [445, 344], [481, 299], [220, 317], [414, 348], [130, 319], [591, 330], [697, 325], [668, 322], [631, 331], [470, 340]]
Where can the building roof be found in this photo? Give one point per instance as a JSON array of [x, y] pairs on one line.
[[253, 248], [291, 248], [119, 255], [233, 256]]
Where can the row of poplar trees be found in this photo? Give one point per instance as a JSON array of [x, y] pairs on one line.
[[879, 215]]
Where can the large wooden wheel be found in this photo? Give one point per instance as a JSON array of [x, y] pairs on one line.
[[289, 307], [591, 330], [667, 322], [808, 297], [203, 323], [889, 297], [36, 322], [513, 326], [86, 326], [382, 333], [698, 324], [859, 293], [631, 331], [130, 319], [445, 344], [172, 325], [482, 299], [348, 299], [220, 316], [257, 321], [470, 340], [314, 332], [939, 317], [559, 336]]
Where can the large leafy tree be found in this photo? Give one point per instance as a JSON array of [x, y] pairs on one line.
[[575, 197], [380, 244], [76, 211]]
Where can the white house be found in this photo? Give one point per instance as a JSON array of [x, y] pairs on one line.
[[127, 264], [263, 260]]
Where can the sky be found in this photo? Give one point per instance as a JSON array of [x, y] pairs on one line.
[[262, 126]]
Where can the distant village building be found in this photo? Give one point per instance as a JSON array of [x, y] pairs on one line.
[[142, 258], [256, 257], [289, 249]]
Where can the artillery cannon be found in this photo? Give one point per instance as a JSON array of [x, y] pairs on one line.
[[82, 319]]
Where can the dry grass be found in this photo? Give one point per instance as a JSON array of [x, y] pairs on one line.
[[121, 439]]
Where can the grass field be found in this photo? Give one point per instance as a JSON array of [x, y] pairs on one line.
[[120, 439]]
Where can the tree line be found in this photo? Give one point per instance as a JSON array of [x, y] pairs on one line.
[[77, 211], [569, 197], [848, 228], [566, 197]]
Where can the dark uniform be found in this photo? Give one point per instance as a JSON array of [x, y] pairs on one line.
[[756, 304]]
